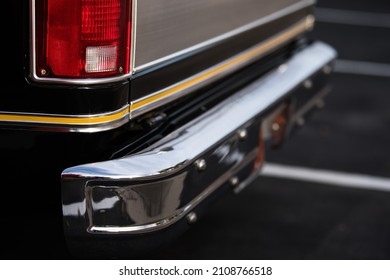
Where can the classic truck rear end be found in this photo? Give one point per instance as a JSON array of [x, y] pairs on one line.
[[127, 118]]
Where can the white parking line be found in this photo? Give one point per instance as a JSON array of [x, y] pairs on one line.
[[362, 68], [335, 178], [352, 17]]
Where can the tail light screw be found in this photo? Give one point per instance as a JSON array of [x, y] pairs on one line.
[[200, 164], [120, 69], [43, 72]]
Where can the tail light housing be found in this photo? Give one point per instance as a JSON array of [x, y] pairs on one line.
[[78, 39]]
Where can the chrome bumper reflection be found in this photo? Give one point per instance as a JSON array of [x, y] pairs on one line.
[[155, 188]]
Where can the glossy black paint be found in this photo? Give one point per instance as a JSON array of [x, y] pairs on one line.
[[66, 100]]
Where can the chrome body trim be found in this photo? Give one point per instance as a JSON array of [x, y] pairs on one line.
[[164, 96], [134, 9], [67, 123], [174, 40], [157, 187]]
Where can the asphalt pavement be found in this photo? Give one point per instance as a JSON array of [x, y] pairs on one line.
[[326, 193]]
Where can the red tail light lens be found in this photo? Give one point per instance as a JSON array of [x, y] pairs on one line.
[[82, 38]]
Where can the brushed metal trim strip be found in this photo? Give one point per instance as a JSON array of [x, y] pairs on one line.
[[166, 95], [286, 11]]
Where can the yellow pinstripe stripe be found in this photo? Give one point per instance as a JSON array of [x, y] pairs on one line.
[[79, 120]]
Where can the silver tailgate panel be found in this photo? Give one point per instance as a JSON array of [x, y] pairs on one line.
[[166, 27]]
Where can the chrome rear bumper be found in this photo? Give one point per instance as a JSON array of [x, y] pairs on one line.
[[157, 187]]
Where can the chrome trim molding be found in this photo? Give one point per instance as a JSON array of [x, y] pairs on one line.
[[67, 123], [158, 173], [175, 91], [145, 20], [133, 35]]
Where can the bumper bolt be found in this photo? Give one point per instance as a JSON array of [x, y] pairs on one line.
[[200, 164], [192, 218], [275, 126], [234, 181], [242, 134]]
